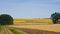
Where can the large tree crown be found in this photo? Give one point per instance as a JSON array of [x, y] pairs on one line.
[[6, 19]]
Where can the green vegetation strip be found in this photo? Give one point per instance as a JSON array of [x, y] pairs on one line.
[[16, 31], [0, 28]]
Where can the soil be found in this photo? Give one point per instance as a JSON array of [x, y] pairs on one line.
[[2, 32], [35, 31]]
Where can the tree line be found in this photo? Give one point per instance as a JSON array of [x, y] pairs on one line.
[[6, 19]]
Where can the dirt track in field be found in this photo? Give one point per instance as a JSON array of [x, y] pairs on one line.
[[2, 32], [35, 31], [9, 32], [5, 30]]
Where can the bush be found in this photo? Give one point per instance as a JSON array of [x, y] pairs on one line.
[[6, 19], [55, 17]]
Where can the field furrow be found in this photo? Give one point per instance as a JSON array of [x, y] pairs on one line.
[[35, 31]]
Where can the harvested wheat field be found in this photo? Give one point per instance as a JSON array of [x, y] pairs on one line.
[[39, 28]]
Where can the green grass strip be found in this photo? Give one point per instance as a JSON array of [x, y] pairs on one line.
[[16, 32], [0, 28]]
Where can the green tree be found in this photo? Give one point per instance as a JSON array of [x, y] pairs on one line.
[[6, 19], [55, 16]]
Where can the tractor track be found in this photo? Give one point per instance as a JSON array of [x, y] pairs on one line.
[[35, 31]]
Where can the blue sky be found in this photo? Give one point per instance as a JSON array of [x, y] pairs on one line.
[[29, 8]]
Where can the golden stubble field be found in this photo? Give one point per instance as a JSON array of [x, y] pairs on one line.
[[47, 27]]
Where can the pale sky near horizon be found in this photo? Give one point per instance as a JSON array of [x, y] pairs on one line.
[[29, 8]]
